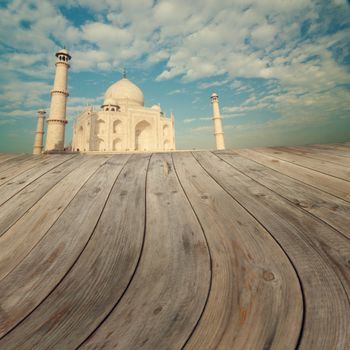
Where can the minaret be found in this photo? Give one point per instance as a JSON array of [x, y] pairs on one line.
[[57, 119], [173, 129], [39, 134], [219, 134]]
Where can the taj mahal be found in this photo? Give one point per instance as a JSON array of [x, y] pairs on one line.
[[123, 124]]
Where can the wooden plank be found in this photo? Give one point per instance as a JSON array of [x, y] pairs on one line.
[[167, 295], [341, 146], [14, 166], [4, 157], [33, 192], [255, 300], [98, 278], [322, 268], [326, 183], [20, 238], [21, 181], [316, 154], [328, 208], [324, 167], [43, 268], [23, 165], [344, 152]]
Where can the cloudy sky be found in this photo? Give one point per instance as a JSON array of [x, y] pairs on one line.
[[280, 67]]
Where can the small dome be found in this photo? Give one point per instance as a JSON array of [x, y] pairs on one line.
[[157, 107], [63, 52], [109, 101], [124, 90]]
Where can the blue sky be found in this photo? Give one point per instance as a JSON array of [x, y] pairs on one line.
[[281, 68]]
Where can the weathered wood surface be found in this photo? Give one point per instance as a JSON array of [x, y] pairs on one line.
[[36, 276], [21, 237], [326, 183], [4, 157], [326, 207], [332, 149], [223, 250], [291, 228], [249, 291], [315, 164], [316, 154], [168, 292]]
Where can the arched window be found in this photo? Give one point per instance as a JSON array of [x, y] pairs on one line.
[[117, 144], [166, 145], [117, 126], [100, 126], [165, 131], [143, 136]]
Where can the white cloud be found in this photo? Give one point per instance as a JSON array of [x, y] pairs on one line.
[[241, 40], [205, 129], [262, 35], [176, 92], [239, 109]]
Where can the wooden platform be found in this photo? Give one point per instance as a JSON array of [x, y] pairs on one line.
[[241, 249]]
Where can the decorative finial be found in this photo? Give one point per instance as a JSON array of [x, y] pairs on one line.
[[124, 73]]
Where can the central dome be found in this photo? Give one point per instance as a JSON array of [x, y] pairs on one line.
[[124, 90]]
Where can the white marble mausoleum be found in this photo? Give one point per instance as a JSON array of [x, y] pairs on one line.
[[123, 124]]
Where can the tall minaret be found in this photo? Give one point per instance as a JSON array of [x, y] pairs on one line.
[[219, 134], [39, 134], [57, 119]]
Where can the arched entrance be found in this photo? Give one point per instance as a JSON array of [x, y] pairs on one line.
[[100, 127], [165, 131], [117, 145], [166, 145], [143, 136], [117, 127], [101, 145]]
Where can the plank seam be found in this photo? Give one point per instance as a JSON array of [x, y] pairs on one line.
[[2, 233], [305, 239], [21, 172], [70, 268], [302, 166], [285, 198], [136, 267], [331, 194], [209, 253], [38, 179], [52, 223], [309, 155], [282, 249]]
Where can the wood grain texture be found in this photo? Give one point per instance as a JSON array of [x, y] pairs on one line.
[[326, 303], [186, 250], [326, 183], [331, 149], [255, 300], [316, 154], [20, 238], [99, 277], [166, 297], [328, 208], [321, 166], [32, 192], [42, 269], [15, 166], [4, 157], [21, 181]]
